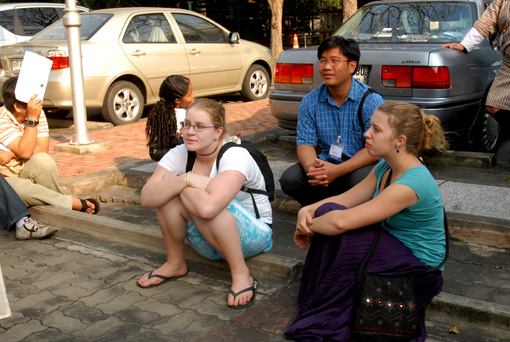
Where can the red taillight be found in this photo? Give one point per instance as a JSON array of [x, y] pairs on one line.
[[416, 77], [431, 78], [1, 66], [294, 73], [60, 59], [396, 76]]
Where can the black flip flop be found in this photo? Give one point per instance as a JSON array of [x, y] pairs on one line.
[[84, 206], [165, 279], [247, 304]]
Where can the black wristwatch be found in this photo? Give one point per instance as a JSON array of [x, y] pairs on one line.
[[31, 122]]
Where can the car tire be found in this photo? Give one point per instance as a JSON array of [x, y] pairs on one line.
[[256, 83], [489, 135], [123, 103]]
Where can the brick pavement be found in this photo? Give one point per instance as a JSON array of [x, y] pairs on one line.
[[75, 288], [128, 143]]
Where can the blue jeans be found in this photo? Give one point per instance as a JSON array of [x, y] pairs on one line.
[[12, 208]]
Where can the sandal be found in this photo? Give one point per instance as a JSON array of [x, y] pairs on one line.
[[84, 206], [247, 304]]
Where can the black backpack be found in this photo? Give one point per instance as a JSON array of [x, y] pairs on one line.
[[259, 158]]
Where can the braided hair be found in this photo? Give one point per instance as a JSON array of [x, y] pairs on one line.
[[161, 122]]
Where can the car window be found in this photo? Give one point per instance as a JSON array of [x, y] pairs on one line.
[[90, 24], [198, 30], [412, 22], [149, 28], [28, 21]]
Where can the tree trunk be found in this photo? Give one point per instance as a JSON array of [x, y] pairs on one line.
[[276, 27], [350, 7]]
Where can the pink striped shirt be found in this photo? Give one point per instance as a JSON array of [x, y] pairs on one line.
[[10, 129]]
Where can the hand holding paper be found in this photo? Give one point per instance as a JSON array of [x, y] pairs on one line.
[[33, 77]]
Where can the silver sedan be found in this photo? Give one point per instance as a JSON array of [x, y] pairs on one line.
[[402, 59]]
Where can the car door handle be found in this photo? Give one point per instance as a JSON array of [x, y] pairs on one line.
[[138, 53], [195, 52]]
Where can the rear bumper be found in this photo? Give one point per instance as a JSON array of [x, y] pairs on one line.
[[457, 114]]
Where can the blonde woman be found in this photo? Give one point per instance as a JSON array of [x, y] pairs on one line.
[[206, 206], [341, 228]]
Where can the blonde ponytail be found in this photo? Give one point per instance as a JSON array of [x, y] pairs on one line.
[[423, 132]]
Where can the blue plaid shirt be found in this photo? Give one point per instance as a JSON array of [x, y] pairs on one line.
[[321, 120]]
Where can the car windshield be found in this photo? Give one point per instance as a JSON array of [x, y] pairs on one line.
[[410, 22], [90, 24]]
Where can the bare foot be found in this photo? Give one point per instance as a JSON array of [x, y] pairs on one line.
[[166, 270], [244, 297]]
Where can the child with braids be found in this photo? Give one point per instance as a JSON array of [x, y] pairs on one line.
[[166, 117]]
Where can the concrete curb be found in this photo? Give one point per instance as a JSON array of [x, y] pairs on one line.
[[449, 308], [266, 266]]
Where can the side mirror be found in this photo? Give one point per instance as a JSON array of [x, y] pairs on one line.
[[234, 38]]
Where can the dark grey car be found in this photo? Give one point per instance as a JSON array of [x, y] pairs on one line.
[[402, 59]]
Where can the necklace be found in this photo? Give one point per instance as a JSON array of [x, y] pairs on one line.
[[208, 154]]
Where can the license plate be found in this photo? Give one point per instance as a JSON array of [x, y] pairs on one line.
[[16, 64], [361, 74]]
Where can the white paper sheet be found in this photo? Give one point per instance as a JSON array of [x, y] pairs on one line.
[[5, 309], [33, 77]]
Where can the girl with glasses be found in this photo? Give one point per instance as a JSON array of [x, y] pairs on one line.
[[206, 207]]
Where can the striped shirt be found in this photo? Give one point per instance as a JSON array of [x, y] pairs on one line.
[[321, 120], [10, 129]]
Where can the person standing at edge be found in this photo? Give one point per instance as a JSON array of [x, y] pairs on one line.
[[328, 112], [495, 19]]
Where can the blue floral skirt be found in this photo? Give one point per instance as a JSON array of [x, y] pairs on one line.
[[256, 236]]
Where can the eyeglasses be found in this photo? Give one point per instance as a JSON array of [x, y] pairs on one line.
[[197, 127], [333, 61]]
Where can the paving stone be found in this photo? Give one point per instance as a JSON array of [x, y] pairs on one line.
[[58, 256], [20, 331], [14, 319], [152, 336], [50, 335], [102, 296], [41, 274], [63, 323], [269, 318], [99, 328], [120, 302], [183, 295], [13, 272], [30, 265], [191, 325], [35, 305], [199, 327], [84, 314], [144, 318], [122, 274], [155, 306], [54, 280], [231, 331], [119, 333], [17, 290]]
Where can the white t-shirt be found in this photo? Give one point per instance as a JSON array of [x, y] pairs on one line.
[[180, 116], [238, 159]]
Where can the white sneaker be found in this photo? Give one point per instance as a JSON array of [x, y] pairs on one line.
[[33, 229]]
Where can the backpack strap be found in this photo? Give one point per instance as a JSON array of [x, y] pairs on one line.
[[360, 108], [251, 191], [191, 161]]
